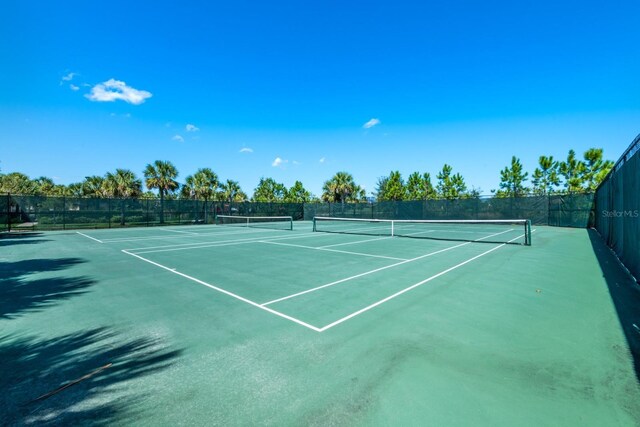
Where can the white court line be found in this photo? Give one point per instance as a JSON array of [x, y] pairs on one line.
[[375, 271], [382, 301], [201, 245], [363, 274], [292, 319], [353, 243], [178, 231], [215, 288], [331, 250], [185, 246], [215, 233], [222, 243], [89, 237], [248, 239]]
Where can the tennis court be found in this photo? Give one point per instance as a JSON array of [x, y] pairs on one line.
[[350, 324]]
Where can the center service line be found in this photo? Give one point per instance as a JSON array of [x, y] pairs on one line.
[[215, 288]]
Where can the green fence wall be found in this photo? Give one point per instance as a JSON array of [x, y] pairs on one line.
[[617, 211], [54, 213], [570, 210]]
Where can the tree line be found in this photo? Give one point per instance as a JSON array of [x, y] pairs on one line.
[[160, 175], [572, 175], [550, 176]]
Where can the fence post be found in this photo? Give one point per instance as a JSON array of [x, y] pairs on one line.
[[9, 212], [64, 208], [109, 214]]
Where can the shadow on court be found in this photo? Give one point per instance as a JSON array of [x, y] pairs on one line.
[[19, 294], [9, 239], [625, 294], [34, 367]]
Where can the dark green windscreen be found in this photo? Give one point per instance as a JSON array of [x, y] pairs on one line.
[[617, 213], [53, 213], [569, 210]]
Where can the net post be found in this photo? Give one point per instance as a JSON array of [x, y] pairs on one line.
[[392, 227], [527, 230], [314, 224], [291, 223]]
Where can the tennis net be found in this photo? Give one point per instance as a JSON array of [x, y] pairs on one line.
[[513, 231], [269, 222]]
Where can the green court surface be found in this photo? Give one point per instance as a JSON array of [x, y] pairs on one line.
[[224, 325]]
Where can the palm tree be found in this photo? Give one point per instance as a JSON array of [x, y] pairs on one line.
[[44, 186], [17, 183], [122, 184], [231, 191], [202, 185], [74, 189], [92, 186], [340, 188], [161, 175]]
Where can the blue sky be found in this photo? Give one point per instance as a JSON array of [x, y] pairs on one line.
[[366, 87]]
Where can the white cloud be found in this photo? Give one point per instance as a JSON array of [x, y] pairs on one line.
[[246, 150], [278, 162], [295, 162], [68, 77], [113, 90], [74, 87], [178, 138], [371, 123], [192, 128], [322, 159]]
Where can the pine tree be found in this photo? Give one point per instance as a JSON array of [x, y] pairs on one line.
[[545, 177], [512, 180], [572, 170]]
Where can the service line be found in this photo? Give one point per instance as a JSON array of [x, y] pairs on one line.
[[377, 270], [324, 248], [435, 276], [231, 294]]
